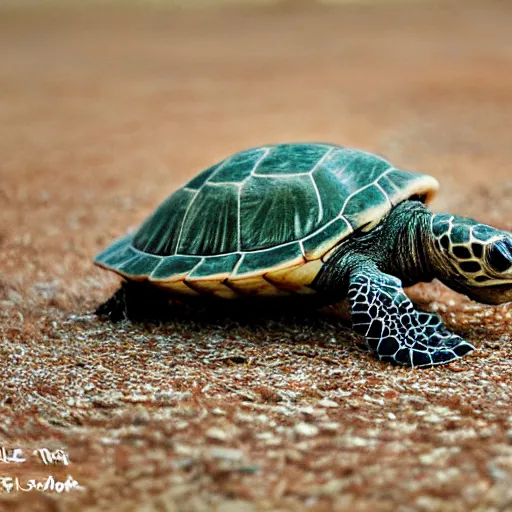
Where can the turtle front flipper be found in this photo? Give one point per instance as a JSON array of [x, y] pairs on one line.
[[392, 327]]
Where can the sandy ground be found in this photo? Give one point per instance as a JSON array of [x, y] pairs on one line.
[[102, 115]]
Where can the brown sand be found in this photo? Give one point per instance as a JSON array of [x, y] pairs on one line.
[[104, 114]]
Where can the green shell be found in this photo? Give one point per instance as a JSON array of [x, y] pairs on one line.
[[260, 208]]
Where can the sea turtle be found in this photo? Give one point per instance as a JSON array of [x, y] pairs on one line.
[[314, 218]]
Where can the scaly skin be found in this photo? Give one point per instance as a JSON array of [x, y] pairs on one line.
[[411, 245]]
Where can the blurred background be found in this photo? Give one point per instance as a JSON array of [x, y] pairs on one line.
[[107, 107]]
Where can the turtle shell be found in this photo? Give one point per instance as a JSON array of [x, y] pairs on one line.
[[262, 221]]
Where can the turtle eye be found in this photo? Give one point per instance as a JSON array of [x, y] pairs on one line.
[[499, 255]]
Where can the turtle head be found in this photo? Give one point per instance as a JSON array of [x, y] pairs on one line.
[[475, 259]]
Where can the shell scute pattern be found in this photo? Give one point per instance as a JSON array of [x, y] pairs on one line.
[[157, 237], [253, 262], [239, 167], [347, 165], [358, 202], [291, 159], [274, 211], [141, 265], [320, 242], [263, 209], [200, 233], [118, 252], [216, 265], [332, 192], [176, 266], [198, 181]]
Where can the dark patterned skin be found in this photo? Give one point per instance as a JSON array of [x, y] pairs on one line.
[[412, 245], [393, 329], [301, 218]]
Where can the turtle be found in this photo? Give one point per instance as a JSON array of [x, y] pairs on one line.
[[301, 219]]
